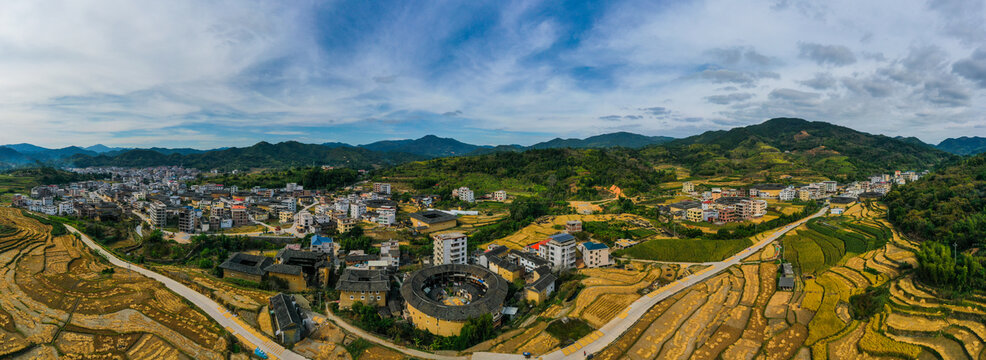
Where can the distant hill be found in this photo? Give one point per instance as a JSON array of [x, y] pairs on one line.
[[100, 148], [912, 140], [797, 147], [624, 139], [549, 173], [429, 146], [965, 145], [25, 148], [260, 155]]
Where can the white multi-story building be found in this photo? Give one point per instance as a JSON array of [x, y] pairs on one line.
[[386, 215], [158, 214], [356, 210], [381, 188], [559, 250], [290, 204], [466, 195], [500, 195], [787, 194], [594, 254], [687, 187], [450, 248], [830, 186]]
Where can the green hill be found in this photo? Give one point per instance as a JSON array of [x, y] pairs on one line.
[[429, 146], [964, 145], [622, 139], [948, 205], [262, 155], [554, 173], [796, 147]]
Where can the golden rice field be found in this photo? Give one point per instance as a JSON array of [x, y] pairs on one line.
[[813, 321], [54, 298], [539, 231]]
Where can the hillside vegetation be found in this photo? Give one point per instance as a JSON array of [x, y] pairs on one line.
[[553, 173], [262, 155], [946, 209], [796, 147]]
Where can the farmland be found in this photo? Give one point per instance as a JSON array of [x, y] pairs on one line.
[[739, 314], [685, 250], [547, 226], [58, 298]]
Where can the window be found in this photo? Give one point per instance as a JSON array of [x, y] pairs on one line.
[[362, 297], [351, 297]]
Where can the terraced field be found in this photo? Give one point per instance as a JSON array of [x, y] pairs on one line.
[[58, 300], [608, 291], [740, 315]]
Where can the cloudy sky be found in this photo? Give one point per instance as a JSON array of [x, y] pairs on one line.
[[230, 73]]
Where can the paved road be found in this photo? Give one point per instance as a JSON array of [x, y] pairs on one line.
[[601, 338], [377, 340], [244, 332]]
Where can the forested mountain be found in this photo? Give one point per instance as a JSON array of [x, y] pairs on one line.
[[261, 155], [552, 173], [948, 205], [623, 139], [796, 147], [947, 210], [965, 145], [309, 177], [428, 146]]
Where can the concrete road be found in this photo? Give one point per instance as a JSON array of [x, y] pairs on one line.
[[247, 335], [601, 338], [377, 340]]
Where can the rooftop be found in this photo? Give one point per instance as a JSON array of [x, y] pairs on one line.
[[543, 282], [284, 269], [491, 302], [562, 238], [285, 312], [594, 246], [432, 217], [249, 264], [362, 280]]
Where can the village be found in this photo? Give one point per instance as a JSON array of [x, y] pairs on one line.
[[437, 292]]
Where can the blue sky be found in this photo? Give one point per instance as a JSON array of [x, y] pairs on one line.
[[232, 73]]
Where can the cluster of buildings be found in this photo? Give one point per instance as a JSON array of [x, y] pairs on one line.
[[720, 210], [467, 195], [85, 199]]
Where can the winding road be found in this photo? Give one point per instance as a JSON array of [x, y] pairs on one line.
[[601, 338], [245, 333], [592, 343]]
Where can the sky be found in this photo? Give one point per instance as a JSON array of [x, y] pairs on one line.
[[207, 74]]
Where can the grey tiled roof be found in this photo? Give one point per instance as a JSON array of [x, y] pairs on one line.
[[362, 280], [285, 312], [249, 264], [543, 282], [284, 269], [491, 302]]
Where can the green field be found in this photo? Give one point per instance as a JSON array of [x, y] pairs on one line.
[[685, 250], [10, 185], [828, 240]]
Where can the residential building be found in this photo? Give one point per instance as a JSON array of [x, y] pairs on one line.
[[573, 226], [540, 290], [687, 187], [286, 319], [246, 267], [386, 215], [158, 214], [529, 261], [432, 220], [788, 194], [292, 275], [506, 269], [466, 195], [804, 194], [390, 251], [367, 286], [186, 220], [500, 195], [694, 214], [285, 217], [345, 225], [830, 186], [449, 248], [559, 250], [324, 245], [239, 215], [356, 210], [594, 254], [381, 188]]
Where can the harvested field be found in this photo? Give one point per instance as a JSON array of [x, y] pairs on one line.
[[51, 283]]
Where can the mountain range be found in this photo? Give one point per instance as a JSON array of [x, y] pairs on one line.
[[965, 145], [779, 144]]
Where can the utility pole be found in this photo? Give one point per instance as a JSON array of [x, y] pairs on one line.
[[955, 250]]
